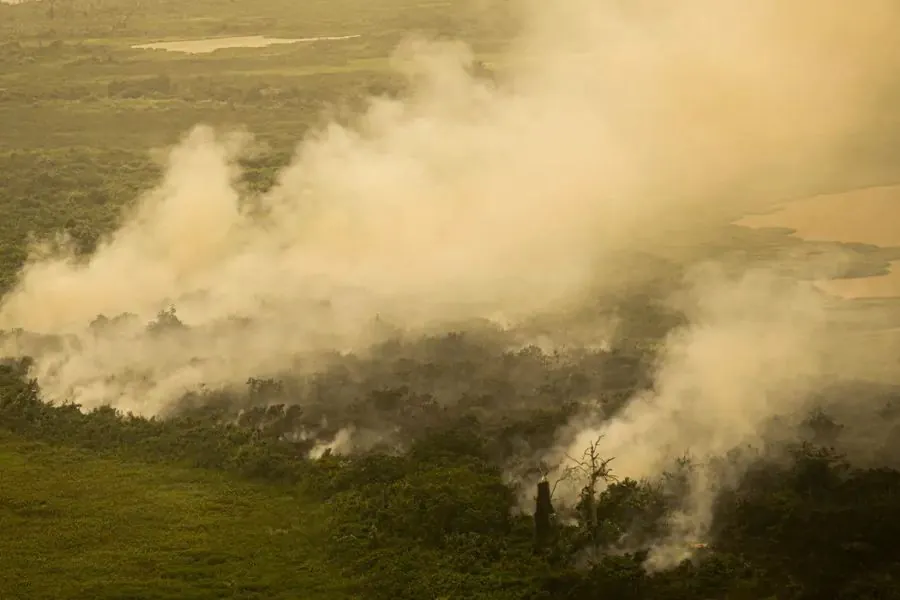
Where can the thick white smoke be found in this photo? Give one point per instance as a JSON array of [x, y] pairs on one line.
[[756, 348]]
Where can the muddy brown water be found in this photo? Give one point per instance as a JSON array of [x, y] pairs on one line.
[[866, 216]]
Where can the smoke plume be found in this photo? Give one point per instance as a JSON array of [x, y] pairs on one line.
[[756, 348], [614, 127]]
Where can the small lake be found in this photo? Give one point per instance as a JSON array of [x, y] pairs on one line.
[[207, 45], [865, 216]]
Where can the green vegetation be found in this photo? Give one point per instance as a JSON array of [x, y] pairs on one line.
[[77, 525], [221, 498], [111, 506]]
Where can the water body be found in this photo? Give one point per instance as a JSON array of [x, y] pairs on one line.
[[207, 45], [880, 286], [865, 216]]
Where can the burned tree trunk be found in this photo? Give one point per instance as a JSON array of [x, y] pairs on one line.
[[543, 513]]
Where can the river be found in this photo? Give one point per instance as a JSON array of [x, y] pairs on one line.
[[864, 216]]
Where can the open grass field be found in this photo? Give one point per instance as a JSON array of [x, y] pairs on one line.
[[75, 525]]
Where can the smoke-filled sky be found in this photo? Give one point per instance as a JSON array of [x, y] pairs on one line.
[[616, 124], [618, 127]]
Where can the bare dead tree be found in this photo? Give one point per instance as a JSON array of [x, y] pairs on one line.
[[592, 469], [543, 514]]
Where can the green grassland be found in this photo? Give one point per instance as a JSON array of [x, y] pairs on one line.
[[77, 525]]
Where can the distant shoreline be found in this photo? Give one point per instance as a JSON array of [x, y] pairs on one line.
[[861, 216], [211, 44]]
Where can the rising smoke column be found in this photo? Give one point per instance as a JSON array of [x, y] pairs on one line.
[[756, 347], [614, 125]]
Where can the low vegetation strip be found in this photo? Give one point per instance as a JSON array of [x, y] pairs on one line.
[[78, 525]]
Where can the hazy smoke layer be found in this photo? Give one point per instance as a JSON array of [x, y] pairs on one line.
[[618, 127], [618, 122], [750, 354]]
